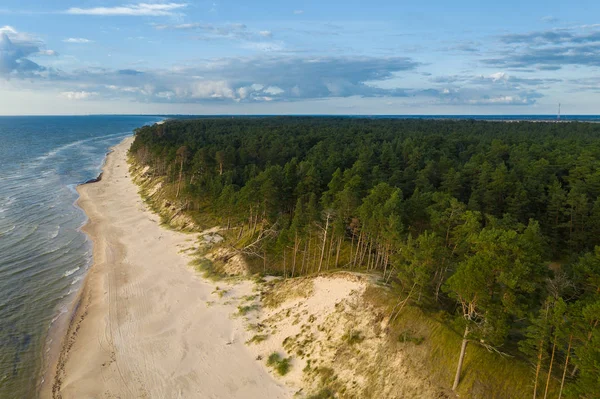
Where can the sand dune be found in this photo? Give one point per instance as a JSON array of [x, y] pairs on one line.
[[143, 328]]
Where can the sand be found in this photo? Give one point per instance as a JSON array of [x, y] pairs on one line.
[[144, 327]]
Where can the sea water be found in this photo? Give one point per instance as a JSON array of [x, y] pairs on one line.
[[43, 253]]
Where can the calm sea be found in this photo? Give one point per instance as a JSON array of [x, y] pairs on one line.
[[43, 253]]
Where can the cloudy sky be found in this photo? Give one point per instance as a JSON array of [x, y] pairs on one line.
[[305, 57]]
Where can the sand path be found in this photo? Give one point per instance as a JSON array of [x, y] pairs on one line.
[[143, 328]]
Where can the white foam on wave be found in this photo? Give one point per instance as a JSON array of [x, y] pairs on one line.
[[75, 281], [61, 312], [61, 148], [54, 234], [8, 230], [57, 150], [69, 272], [5, 203]]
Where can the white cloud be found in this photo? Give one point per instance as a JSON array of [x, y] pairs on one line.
[[264, 46], [48, 52], [179, 26], [265, 33], [16, 49], [549, 19], [499, 76], [140, 9], [298, 12], [78, 40], [207, 89], [502, 100], [230, 80], [8, 30], [274, 90], [78, 95]]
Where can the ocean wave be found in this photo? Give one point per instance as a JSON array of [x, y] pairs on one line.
[[76, 280], [8, 230], [52, 153], [61, 312], [69, 272], [54, 234]]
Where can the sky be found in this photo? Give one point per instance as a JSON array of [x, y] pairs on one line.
[[424, 57]]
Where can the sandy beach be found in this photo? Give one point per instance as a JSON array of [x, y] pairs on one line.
[[143, 328]]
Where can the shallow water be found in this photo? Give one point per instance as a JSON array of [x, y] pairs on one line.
[[43, 253]]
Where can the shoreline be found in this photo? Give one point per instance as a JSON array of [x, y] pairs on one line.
[[62, 325], [56, 347], [140, 324]]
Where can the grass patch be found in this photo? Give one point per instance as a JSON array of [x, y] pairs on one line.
[[244, 310], [409, 336], [279, 364], [484, 375], [257, 339], [353, 337], [219, 292], [281, 291], [324, 393], [207, 269]]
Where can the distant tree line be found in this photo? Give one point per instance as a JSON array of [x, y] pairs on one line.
[[496, 223]]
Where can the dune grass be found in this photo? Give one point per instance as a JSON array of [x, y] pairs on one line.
[[280, 365]]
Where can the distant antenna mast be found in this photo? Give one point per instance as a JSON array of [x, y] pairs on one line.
[[558, 117]]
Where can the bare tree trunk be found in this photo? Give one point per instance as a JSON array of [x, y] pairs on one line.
[[351, 248], [461, 358], [550, 368], [369, 252], [363, 253], [324, 243], [329, 251], [337, 252], [440, 281], [264, 260], [448, 229], [316, 255], [538, 368], [377, 256], [358, 247], [385, 258], [180, 175], [255, 223], [296, 245], [540, 354], [304, 257], [562, 382]]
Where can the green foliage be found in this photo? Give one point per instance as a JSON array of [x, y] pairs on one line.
[[409, 336], [324, 393], [257, 339], [462, 217], [245, 309], [353, 337], [281, 365]]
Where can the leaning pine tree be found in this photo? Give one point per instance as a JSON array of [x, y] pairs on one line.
[[501, 267]]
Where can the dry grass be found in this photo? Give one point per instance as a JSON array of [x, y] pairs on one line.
[[280, 291]]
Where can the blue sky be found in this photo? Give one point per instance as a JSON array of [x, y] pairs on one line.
[[289, 57]]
